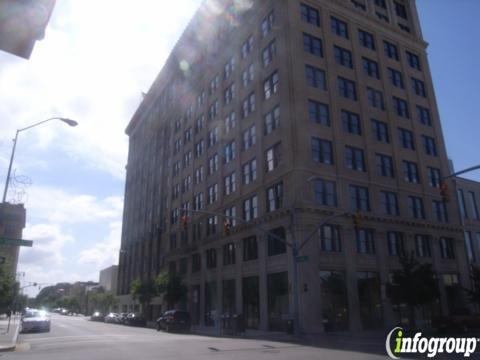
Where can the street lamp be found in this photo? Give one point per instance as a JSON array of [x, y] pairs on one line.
[[69, 122]]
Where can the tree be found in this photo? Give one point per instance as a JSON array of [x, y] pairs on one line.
[[171, 287], [414, 285], [474, 293], [103, 301], [144, 291], [8, 290]]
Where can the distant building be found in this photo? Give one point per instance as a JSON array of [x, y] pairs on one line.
[[109, 278], [281, 115], [12, 223]]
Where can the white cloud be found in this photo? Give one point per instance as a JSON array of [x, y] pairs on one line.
[[104, 253]]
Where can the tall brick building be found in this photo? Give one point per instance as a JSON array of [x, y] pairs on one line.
[[283, 113]]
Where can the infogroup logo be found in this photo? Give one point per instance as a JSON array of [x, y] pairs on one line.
[[398, 344]]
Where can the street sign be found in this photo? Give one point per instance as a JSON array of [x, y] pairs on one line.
[[300, 259], [15, 242]]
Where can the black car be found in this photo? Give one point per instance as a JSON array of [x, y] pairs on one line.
[[97, 316], [174, 320], [135, 319]]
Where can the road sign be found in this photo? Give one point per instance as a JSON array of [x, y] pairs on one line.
[[15, 242], [300, 259]]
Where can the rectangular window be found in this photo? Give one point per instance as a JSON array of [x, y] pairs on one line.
[[229, 152], [429, 145], [396, 78], [462, 204], [419, 87], [371, 68], [339, 27], [351, 122], [228, 254], [322, 151], [469, 246], [270, 85], [318, 113], [325, 192], [315, 77], [229, 94], [473, 205], [312, 45], [250, 248], [199, 175], [212, 222], [329, 236], [446, 248], [229, 184], [212, 194], [230, 122], [389, 203], [247, 47], [366, 39], [365, 241], [272, 120], [211, 258], [401, 107], [248, 105], [381, 3], [269, 53], [423, 116], [400, 10], [375, 98], [214, 84], [406, 138], [274, 197], [359, 198], [413, 61], [395, 243], [385, 165], [249, 138], [415, 205], [199, 148], [250, 208], [196, 263], [310, 15], [422, 246], [213, 164], [212, 137], [380, 131], [248, 75], [440, 211], [199, 124], [391, 50], [273, 156], [355, 158], [343, 57], [347, 89], [232, 213], [434, 177], [410, 172], [250, 172], [229, 68], [267, 24], [198, 201]]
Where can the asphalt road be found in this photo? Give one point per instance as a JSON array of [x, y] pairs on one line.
[[73, 338]]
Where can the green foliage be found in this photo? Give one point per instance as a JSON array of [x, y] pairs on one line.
[[143, 291], [103, 301], [171, 287], [8, 290]]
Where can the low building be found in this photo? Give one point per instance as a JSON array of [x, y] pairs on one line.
[[12, 223]]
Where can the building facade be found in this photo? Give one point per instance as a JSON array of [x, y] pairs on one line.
[[12, 223], [281, 114], [109, 279]]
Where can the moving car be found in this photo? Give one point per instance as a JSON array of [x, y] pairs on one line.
[[174, 320], [112, 318], [35, 320], [97, 316]]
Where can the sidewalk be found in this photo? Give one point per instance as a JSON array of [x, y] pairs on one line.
[[8, 340]]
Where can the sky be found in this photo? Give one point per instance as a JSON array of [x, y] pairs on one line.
[[93, 65]]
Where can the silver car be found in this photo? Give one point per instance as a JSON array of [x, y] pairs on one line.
[[35, 320]]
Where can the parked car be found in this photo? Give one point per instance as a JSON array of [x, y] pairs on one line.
[[97, 316], [174, 320], [122, 318], [112, 318], [135, 319], [35, 320]]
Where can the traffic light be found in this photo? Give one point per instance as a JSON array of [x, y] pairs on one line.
[[444, 192], [357, 221], [226, 227], [185, 222]]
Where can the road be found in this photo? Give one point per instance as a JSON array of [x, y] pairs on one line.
[[73, 338]]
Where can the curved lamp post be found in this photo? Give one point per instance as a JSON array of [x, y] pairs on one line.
[[69, 122]]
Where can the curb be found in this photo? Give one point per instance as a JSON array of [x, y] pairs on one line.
[[13, 343]]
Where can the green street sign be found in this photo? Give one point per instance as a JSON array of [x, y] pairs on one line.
[[300, 259], [15, 242]]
